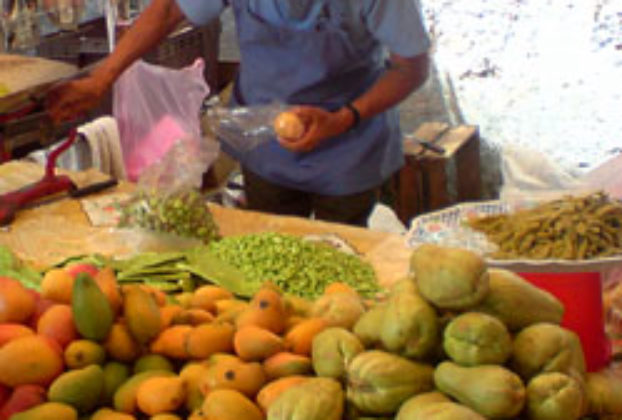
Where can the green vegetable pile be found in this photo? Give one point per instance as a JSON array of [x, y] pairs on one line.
[[297, 266], [11, 266], [183, 214]]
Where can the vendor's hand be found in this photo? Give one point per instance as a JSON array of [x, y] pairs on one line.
[[72, 99], [320, 125]]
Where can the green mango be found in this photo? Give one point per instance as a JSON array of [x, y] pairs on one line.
[[142, 314], [115, 374], [472, 339], [152, 362], [48, 411], [92, 312], [493, 391], [81, 353], [332, 351], [80, 388], [554, 396]]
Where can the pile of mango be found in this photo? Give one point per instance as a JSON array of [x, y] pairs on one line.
[[454, 340]]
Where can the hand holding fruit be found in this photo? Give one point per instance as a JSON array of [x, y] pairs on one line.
[[303, 128]]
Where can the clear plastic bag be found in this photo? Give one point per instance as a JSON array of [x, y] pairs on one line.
[[167, 201], [155, 106], [243, 128]]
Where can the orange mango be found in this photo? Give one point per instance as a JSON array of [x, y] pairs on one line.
[[208, 339], [160, 395], [107, 282], [9, 332], [193, 317], [227, 404], [57, 323], [252, 343], [247, 378], [287, 364], [57, 285], [173, 342], [31, 359], [120, 345], [300, 338], [205, 297], [266, 310], [17, 304], [269, 393]]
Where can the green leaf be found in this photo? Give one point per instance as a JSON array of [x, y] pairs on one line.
[[203, 263]]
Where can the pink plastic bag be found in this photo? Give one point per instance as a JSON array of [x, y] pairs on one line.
[[155, 107]]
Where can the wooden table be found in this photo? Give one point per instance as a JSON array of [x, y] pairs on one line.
[[58, 229]]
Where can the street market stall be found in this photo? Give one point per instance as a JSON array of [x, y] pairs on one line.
[[128, 295], [276, 341]]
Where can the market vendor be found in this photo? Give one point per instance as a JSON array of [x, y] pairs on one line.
[[345, 65]]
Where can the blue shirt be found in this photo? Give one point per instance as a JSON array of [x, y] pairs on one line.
[[323, 53]]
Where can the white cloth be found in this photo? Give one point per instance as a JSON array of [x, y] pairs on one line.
[[98, 146], [102, 136]]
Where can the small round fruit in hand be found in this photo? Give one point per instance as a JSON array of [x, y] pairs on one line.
[[288, 125]]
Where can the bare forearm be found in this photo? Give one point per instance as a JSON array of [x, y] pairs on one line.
[[404, 76], [157, 21]]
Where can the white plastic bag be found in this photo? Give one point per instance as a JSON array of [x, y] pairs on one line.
[[530, 176], [155, 107], [607, 177]]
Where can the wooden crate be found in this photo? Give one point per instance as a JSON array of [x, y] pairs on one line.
[[431, 181]]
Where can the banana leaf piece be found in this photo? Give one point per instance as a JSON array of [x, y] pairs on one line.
[[168, 271], [204, 264], [147, 260]]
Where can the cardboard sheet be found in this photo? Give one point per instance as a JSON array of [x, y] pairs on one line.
[[60, 228]]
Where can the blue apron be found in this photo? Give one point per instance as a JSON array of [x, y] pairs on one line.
[[319, 66]]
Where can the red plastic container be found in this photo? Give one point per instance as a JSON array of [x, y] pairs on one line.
[[581, 294]]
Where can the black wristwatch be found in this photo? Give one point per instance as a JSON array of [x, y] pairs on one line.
[[355, 113]]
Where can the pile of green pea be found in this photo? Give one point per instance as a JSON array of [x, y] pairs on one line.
[[297, 266]]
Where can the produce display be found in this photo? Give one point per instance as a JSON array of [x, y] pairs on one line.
[[441, 345], [573, 228]]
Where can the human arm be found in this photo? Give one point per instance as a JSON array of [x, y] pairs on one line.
[[398, 26], [76, 97], [403, 76]]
